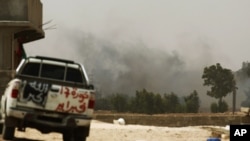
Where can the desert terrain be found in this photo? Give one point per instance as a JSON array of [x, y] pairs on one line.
[[101, 131]]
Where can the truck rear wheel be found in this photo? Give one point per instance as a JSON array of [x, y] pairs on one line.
[[78, 134], [8, 132], [73, 137], [79, 137], [67, 137]]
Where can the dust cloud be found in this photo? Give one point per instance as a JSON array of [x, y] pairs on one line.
[[129, 65], [124, 67], [160, 46]]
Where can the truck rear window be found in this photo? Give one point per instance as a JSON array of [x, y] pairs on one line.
[[31, 69], [74, 75], [53, 72]]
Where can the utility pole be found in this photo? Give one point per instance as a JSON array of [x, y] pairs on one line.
[[234, 100]]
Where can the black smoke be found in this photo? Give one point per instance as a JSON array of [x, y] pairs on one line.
[[125, 67]]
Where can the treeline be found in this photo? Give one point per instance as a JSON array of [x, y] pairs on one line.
[[220, 80], [149, 103]]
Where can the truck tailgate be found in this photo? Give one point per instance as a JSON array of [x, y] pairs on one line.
[[37, 95], [67, 99]]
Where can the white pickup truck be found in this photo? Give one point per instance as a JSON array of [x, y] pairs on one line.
[[50, 95]]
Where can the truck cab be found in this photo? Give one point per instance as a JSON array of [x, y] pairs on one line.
[[51, 95]]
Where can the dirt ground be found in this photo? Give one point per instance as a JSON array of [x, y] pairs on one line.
[[101, 131]]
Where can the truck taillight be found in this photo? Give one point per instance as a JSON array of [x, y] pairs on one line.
[[15, 89], [14, 93], [91, 101], [91, 104]]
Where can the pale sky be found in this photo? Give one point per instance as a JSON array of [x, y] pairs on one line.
[[185, 36], [193, 28]]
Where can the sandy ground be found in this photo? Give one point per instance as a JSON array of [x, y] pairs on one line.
[[101, 131]]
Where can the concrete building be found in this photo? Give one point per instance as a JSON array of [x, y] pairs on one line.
[[20, 22]]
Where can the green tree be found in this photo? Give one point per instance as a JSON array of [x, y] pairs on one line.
[[147, 102], [192, 102], [222, 83], [244, 73], [103, 103], [246, 102], [119, 102], [246, 68], [139, 103], [222, 106], [214, 107], [158, 104], [171, 103]]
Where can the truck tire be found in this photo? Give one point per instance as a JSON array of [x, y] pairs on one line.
[[75, 135], [79, 137], [1, 125], [68, 136], [8, 132]]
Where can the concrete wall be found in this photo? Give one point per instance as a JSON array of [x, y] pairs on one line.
[[14, 10], [35, 15], [20, 22], [5, 50], [178, 120], [21, 10], [6, 58]]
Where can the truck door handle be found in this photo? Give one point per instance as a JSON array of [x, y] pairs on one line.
[[53, 89]]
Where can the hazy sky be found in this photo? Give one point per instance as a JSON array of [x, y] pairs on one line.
[[194, 28], [174, 38]]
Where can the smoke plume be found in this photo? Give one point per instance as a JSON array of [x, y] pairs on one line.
[[160, 46], [124, 67]]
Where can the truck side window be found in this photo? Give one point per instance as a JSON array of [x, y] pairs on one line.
[[31, 69], [52, 71], [74, 75]]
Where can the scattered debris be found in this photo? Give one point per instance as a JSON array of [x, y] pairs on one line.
[[219, 132], [120, 121], [245, 110]]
